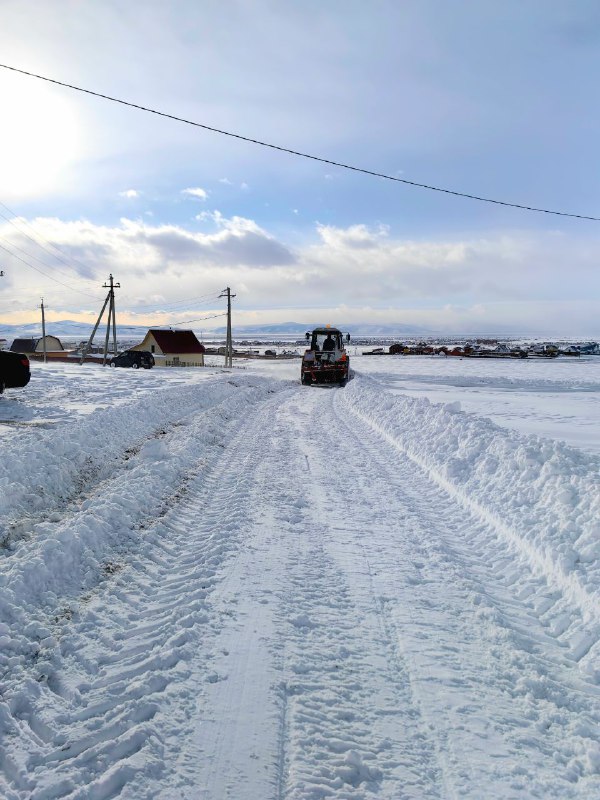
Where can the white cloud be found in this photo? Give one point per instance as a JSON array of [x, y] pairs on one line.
[[226, 181], [200, 194], [509, 279], [359, 236], [130, 194]]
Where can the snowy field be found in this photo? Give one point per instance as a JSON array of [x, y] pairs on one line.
[[221, 584], [555, 398]]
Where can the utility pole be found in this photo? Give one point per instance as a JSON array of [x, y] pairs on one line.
[[110, 302], [229, 342], [44, 330], [111, 315], [1, 273]]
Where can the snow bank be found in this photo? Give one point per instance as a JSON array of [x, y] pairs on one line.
[[75, 498], [42, 470], [542, 496]]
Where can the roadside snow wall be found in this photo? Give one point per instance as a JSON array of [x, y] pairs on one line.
[[541, 496]]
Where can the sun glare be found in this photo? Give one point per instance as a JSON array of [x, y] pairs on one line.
[[39, 137]]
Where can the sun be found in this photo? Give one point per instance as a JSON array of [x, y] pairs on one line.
[[40, 137]]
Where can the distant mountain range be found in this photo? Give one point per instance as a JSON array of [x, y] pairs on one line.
[[67, 328], [80, 330], [72, 331]]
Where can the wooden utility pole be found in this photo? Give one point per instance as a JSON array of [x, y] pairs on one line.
[[110, 302], [44, 330], [229, 341], [111, 286]]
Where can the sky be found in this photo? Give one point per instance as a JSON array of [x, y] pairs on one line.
[[493, 99]]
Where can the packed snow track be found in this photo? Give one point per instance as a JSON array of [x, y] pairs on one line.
[[260, 591]]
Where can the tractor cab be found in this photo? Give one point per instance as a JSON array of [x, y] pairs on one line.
[[326, 340]]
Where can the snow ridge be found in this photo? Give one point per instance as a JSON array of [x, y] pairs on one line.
[[542, 497]]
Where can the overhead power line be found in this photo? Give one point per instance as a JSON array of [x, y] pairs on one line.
[[45, 274], [41, 261], [329, 161], [200, 319], [54, 246], [203, 299]]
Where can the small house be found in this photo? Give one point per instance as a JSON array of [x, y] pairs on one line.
[[173, 348]]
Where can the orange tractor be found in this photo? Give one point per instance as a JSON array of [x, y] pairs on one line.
[[326, 360]]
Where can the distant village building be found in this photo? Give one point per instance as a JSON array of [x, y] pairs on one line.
[[173, 348], [32, 346]]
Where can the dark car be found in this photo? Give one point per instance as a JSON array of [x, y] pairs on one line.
[[134, 359], [14, 370]]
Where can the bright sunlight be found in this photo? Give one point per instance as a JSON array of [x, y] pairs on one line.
[[39, 137]]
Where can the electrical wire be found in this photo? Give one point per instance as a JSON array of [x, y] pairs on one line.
[[200, 319], [31, 255], [203, 299], [288, 150], [24, 221], [45, 274]]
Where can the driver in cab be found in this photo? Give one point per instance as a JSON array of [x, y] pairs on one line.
[[328, 344]]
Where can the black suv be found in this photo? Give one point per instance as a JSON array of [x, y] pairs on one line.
[[134, 359], [14, 370]]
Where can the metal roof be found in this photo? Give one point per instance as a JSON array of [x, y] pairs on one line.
[[177, 341], [24, 345]]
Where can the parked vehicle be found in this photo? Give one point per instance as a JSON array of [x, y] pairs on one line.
[[14, 370], [134, 359], [326, 360]]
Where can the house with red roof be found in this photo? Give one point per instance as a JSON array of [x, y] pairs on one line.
[[173, 348]]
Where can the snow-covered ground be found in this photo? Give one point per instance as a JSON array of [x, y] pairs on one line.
[[220, 584], [557, 398]]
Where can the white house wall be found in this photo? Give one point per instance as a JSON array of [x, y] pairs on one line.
[[167, 359]]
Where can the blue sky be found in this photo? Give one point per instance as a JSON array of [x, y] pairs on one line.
[[494, 99]]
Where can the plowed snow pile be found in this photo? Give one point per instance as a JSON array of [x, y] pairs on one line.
[[541, 496]]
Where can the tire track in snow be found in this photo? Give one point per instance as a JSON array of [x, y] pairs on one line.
[[567, 607], [113, 701], [303, 706], [294, 634], [353, 728], [84, 457], [537, 703], [541, 562]]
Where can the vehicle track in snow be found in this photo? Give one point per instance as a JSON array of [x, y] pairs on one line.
[[487, 633], [102, 712], [354, 730], [307, 700], [311, 618], [86, 456]]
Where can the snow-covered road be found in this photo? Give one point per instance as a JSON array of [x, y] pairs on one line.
[[259, 590]]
